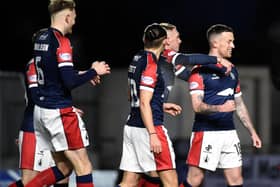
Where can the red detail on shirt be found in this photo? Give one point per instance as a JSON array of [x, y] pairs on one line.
[[149, 72], [64, 52]]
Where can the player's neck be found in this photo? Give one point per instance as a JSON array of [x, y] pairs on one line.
[[214, 53], [157, 51]]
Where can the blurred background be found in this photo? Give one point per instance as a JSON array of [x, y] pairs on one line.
[[112, 31]]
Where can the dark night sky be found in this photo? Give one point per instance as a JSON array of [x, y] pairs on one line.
[[112, 30]]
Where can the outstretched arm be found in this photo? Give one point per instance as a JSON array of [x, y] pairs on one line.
[[193, 59], [244, 117], [73, 78], [184, 62]]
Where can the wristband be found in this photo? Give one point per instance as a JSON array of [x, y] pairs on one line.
[[151, 133]]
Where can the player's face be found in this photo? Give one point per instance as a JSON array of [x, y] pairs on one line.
[[164, 43], [225, 44], [71, 18], [173, 40]]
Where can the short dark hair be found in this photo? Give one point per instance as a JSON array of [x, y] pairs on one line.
[[154, 34], [217, 29], [58, 5]]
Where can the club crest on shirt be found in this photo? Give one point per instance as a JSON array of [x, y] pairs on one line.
[[136, 57], [215, 76], [43, 37]]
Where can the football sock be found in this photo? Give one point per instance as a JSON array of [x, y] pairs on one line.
[[84, 181]]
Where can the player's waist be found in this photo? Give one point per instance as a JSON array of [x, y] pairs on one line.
[[54, 103], [213, 125]]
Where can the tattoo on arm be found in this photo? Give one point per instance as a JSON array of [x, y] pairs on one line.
[[243, 114], [202, 107]]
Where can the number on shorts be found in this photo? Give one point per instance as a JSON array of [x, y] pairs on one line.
[[238, 148]]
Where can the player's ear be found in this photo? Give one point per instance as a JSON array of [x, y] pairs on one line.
[[214, 44], [67, 18]]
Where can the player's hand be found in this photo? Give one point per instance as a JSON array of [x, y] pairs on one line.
[[172, 109], [227, 64], [101, 67], [155, 144], [96, 80], [228, 106], [256, 140]]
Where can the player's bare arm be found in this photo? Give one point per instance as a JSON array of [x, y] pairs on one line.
[[243, 115], [201, 107], [147, 117]]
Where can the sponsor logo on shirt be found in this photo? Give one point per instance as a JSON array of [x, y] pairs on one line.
[[147, 80], [65, 56], [193, 85], [32, 78], [226, 92]]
